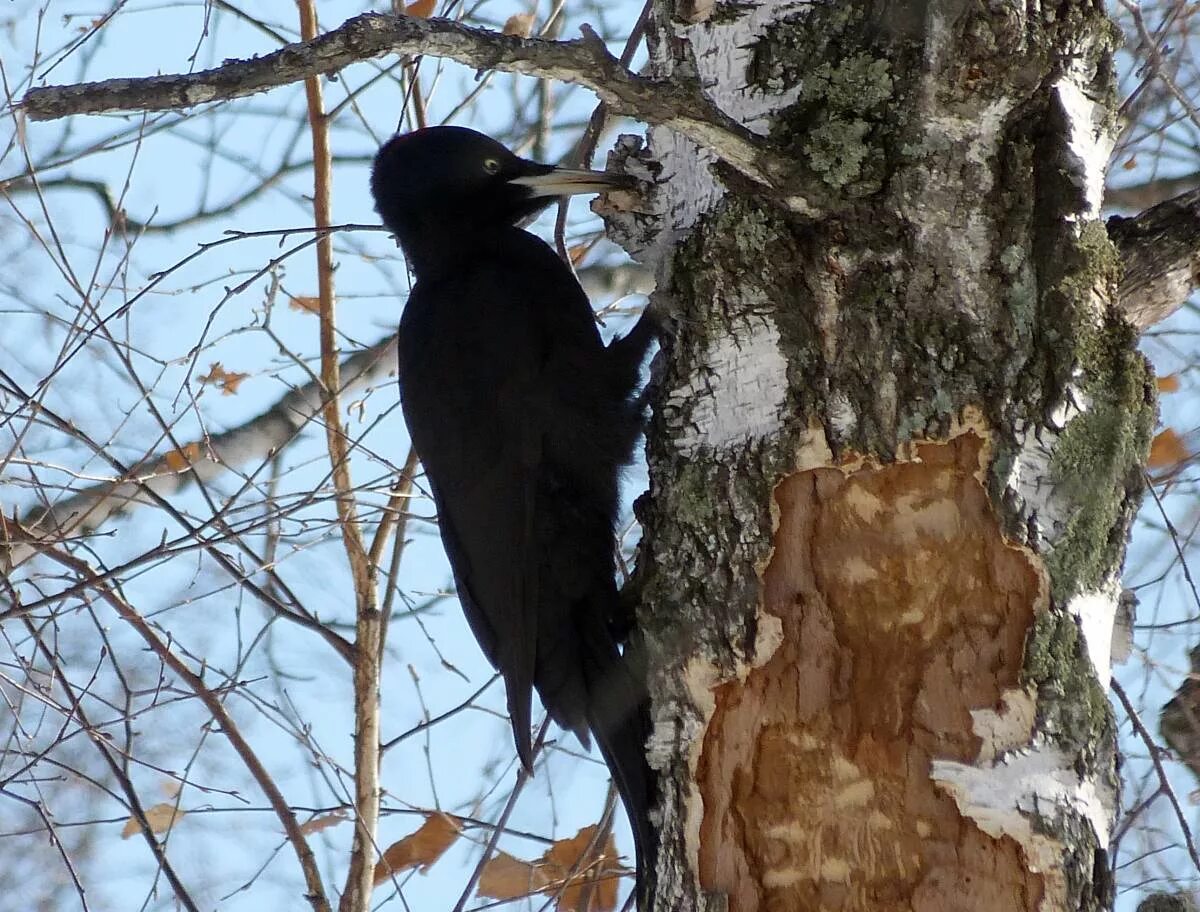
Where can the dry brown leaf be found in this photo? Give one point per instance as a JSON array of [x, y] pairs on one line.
[[593, 886], [180, 459], [1167, 450], [227, 381], [1130, 163], [422, 9], [161, 818], [305, 304], [1168, 384], [505, 877], [418, 850], [323, 822], [579, 884], [520, 24], [579, 251]]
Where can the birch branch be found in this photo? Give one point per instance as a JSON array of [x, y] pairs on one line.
[[585, 61], [1160, 253], [256, 440]]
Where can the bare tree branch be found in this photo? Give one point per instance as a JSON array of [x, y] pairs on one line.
[[356, 896], [1143, 195], [1160, 250], [1156, 758], [585, 61], [137, 811], [256, 439], [287, 818], [118, 217]]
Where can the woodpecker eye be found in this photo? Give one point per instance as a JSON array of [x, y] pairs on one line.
[[491, 165]]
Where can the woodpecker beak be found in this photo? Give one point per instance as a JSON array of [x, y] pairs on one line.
[[567, 182]]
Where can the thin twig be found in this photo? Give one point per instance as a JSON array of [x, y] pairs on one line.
[[308, 863], [429, 723], [1156, 758], [523, 776], [356, 896]]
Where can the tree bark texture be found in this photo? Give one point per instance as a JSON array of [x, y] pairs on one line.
[[895, 453]]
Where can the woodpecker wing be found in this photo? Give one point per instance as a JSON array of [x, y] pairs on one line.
[[494, 383]]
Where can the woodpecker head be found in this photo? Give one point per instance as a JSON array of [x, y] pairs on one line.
[[451, 180]]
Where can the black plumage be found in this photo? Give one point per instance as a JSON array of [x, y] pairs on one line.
[[523, 420]]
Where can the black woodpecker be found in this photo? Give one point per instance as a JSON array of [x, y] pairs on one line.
[[523, 419]]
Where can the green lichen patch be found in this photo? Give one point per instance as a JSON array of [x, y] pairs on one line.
[[1097, 465], [1097, 461], [718, 535], [1074, 714], [839, 124], [1072, 709], [849, 97]]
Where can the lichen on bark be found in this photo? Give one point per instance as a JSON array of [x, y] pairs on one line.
[[1098, 461], [841, 125]]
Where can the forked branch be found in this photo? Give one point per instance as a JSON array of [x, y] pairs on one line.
[[677, 104]]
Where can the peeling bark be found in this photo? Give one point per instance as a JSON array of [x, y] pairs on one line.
[[903, 612]]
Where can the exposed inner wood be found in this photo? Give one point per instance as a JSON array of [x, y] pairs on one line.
[[903, 609]]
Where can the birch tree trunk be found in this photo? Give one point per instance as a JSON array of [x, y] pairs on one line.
[[894, 457]]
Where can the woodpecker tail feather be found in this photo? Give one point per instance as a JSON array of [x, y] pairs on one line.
[[618, 713]]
